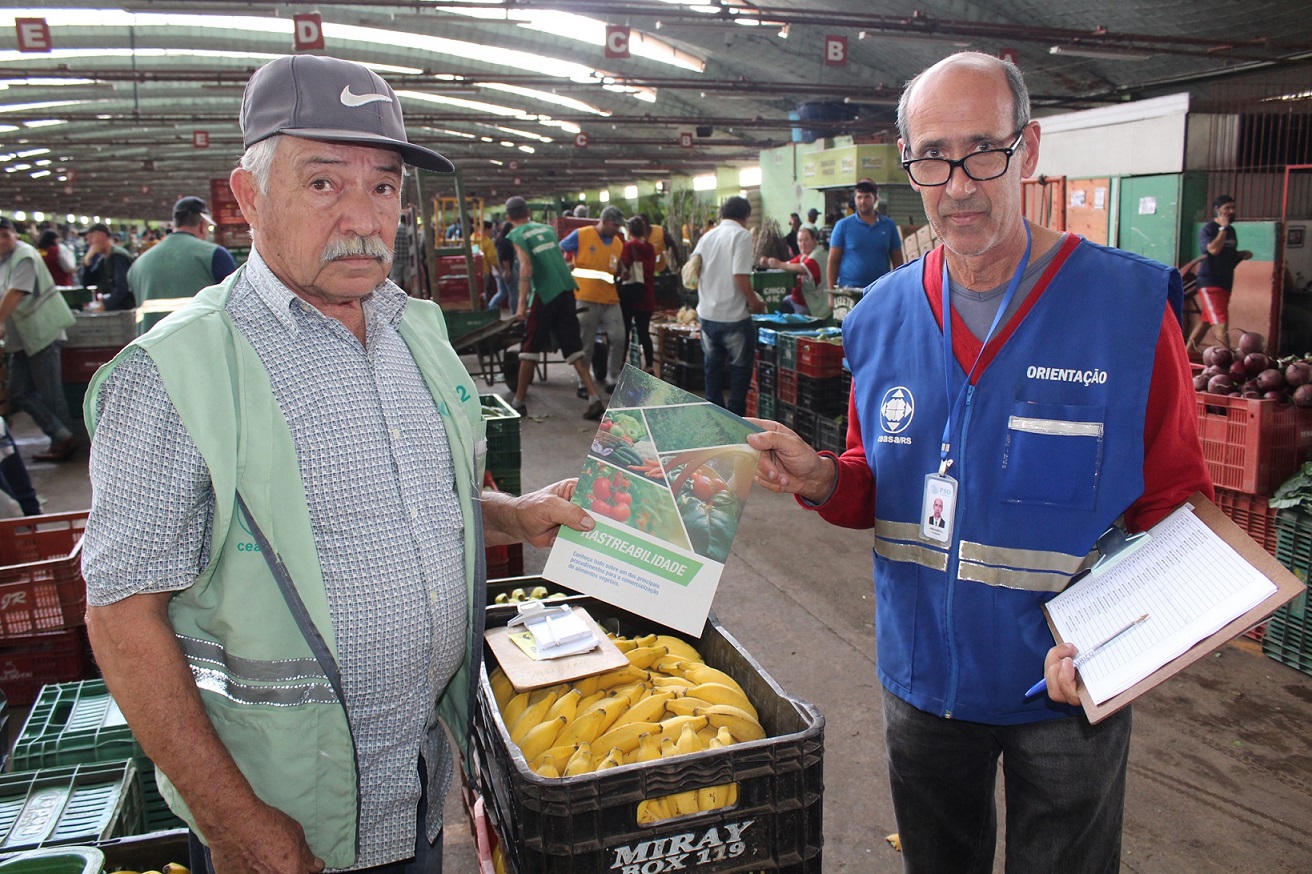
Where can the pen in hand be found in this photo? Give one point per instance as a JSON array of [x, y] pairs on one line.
[[1042, 685]]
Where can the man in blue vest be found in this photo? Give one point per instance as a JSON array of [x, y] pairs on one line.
[[982, 379], [184, 262], [284, 558]]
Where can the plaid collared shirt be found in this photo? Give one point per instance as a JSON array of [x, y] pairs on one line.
[[379, 481]]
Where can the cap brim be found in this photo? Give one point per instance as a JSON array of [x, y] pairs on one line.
[[416, 156]]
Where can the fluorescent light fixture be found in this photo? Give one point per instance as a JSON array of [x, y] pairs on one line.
[[604, 196], [583, 196], [70, 218], [38, 216], [20, 215], [45, 122], [750, 177], [44, 104], [704, 183], [32, 153], [784, 31], [630, 192], [38, 174], [1108, 54]]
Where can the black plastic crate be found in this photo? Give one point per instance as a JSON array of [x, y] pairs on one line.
[[804, 424], [587, 824], [822, 395], [766, 378], [690, 351], [765, 353], [831, 433], [785, 414]]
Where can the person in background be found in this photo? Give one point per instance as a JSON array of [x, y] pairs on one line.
[[34, 316], [507, 274], [665, 258], [794, 223], [105, 267], [59, 259], [285, 553], [594, 254], [863, 246], [638, 291], [546, 306], [402, 272], [803, 264], [168, 274], [812, 221], [487, 245], [725, 303], [960, 628], [1215, 273]]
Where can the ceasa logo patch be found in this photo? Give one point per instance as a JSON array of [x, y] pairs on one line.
[[684, 852], [246, 545], [896, 410]]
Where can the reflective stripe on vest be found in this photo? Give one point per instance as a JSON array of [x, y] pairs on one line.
[[1030, 569], [161, 305], [281, 683], [599, 275]]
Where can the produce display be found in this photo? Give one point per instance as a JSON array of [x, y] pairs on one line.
[[1247, 371], [170, 868], [666, 702]]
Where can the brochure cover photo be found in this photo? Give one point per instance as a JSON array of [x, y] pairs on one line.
[[666, 479]]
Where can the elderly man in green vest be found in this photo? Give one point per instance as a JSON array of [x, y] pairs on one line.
[[284, 559], [34, 316], [169, 273]]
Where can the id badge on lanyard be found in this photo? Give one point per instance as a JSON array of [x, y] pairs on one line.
[[938, 509]]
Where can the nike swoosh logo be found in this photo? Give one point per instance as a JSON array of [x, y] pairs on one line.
[[349, 99]]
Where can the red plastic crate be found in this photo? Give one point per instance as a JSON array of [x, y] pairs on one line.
[[1251, 513], [786, 385], [819, 358], [28, 663], [1250, 445], [79, 364], [41, 585]]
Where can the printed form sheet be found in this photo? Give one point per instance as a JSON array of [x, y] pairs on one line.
[[1188, 580]]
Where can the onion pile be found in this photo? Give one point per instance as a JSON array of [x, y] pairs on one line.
[[1248, 372]]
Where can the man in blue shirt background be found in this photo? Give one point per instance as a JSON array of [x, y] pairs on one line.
[[864, 246]]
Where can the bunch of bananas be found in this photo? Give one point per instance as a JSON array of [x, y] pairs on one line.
[[537, 593], [666, 702]]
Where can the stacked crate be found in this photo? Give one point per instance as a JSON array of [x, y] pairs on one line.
[[93, 340], [42, 601], [79, 723], [1288, 635], [503, 474], [679, 355], [808, 382], [75, 805], [1251, 447]]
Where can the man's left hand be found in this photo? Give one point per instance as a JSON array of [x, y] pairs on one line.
[[1059, 671], [533, 518]]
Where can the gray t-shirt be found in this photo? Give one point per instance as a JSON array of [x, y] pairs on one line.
[[977, 308]]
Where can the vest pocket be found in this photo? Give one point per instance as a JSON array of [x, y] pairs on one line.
[[1053, 455]]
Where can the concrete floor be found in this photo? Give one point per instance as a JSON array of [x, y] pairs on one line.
[[1221, 762]]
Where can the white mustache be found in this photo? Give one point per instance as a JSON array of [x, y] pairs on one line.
[[349, 247]]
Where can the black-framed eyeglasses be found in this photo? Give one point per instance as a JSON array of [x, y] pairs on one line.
[[980, 166]]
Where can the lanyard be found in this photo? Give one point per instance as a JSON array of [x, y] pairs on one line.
[[967, 390]]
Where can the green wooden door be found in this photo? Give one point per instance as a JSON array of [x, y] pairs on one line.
[[1149, 216]]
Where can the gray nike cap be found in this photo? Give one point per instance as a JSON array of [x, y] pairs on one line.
[[328, 99]]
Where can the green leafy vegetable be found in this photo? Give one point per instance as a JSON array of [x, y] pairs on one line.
[[1295, 492]]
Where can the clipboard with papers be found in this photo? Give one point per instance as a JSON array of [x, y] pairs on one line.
[[1201, 579]]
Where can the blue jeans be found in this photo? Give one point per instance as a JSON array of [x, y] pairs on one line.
[[1064, 783], [734, 342], [36, 385]]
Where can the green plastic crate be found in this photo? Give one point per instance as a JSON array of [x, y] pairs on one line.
[[460, 323], [73, 805], [502, 423], [72, 723], [59, 860]]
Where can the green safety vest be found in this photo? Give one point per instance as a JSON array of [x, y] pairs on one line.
[[169, 273], [276, 708], [43, 314]]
